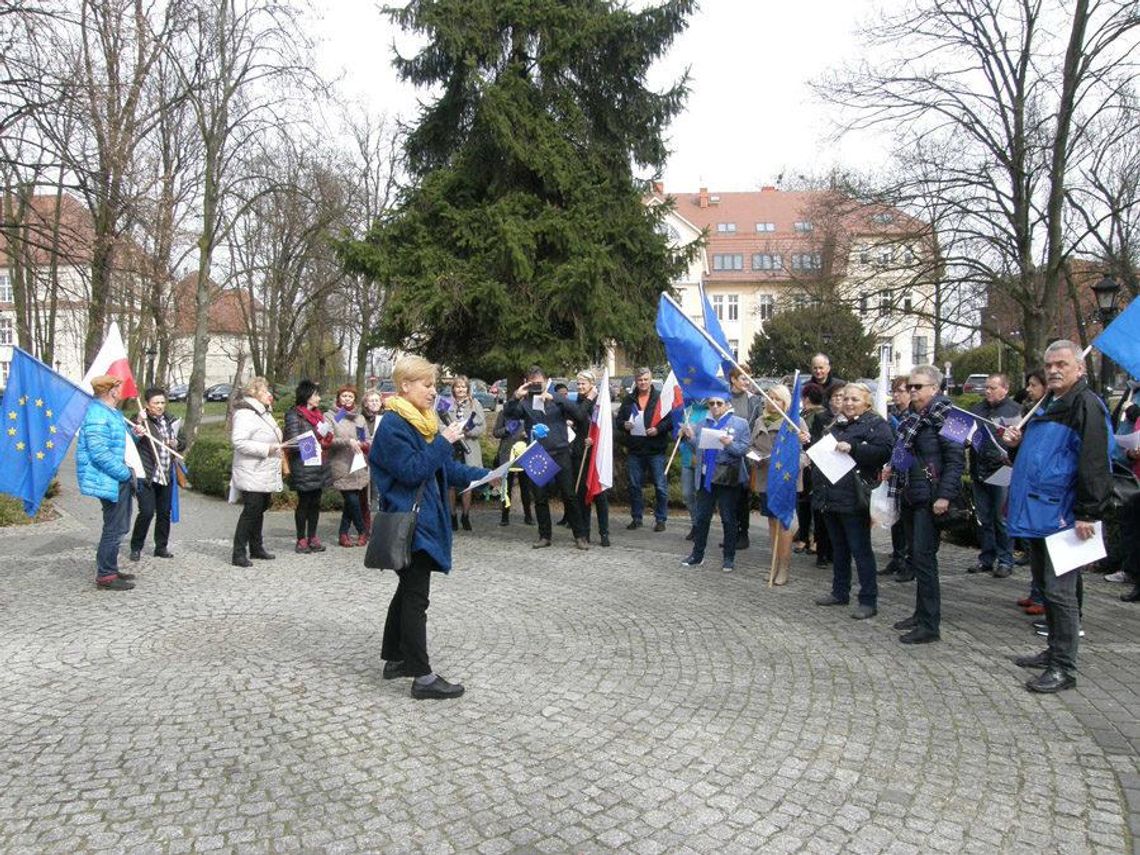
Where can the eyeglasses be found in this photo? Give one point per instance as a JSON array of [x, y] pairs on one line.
[[914, 387], [717, 403]]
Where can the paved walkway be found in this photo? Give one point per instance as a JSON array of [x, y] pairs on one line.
[[616, 701]]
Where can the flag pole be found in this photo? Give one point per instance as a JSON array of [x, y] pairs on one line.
[[727, 357], [153, 447], [677, 444], [582, 468], [1033, 409]]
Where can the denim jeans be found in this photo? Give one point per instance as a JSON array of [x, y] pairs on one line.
[[989, 503], [1062, 607], [726, 500], [637, 466], [851, 538], [352, 514], [923, 538], [116, 523]]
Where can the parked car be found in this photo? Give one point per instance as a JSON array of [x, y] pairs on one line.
[[975, 383], [219, 392], [177, 392]]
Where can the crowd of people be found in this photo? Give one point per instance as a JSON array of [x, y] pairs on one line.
[[420, 448]]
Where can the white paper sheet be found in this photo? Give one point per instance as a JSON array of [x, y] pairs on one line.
[[755, 456], [498, 472], [570, 435], [324, 428], [833, 464], [133, 461], [1001, 478], [538, 403], [710, 438], [358, 463], [638, 420], [1128, 441], [1067, 552]]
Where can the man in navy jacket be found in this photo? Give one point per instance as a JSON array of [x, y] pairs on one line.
[[1061, 480]]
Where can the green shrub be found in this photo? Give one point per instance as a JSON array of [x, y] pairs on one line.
[[12, 510], [208, 462]]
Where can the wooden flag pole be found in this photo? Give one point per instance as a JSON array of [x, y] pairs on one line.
[[582, 468], [680, 436]]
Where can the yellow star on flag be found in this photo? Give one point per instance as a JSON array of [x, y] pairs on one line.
[[787, 476], [51, 428], [19, 446], [48, 413], [12, 415], [39, 455], [39, 402], [11, 431], [49, 444], [23, 400]]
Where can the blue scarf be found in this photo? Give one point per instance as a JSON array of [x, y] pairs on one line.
[[708, 461]]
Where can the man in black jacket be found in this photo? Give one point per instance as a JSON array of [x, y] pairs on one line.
[[988, 458], [648, 445], [926, 473], [156, 490], [553, 412]]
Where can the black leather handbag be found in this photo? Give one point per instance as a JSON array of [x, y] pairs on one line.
[[390, 543]]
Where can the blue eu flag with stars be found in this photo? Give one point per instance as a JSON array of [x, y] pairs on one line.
[[538, 465], [784, 465], [42, 412], [693, 359]]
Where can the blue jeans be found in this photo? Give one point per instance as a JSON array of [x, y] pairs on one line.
[[851, 538], [637, 468], [726, 500], [989, 500], [352, 514], [923, 537], [116, 523]]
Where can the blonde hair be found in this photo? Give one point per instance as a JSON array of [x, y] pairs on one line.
[[255, 385], [863, 390], [779, 393], [410, 368]]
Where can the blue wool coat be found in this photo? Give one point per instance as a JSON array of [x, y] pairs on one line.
[[401, 459], [99, 462]]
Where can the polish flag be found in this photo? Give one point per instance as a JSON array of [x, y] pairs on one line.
[[112, 359], [600, 476], [670, 399]]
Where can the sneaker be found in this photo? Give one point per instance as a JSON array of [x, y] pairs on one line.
[[659, 525], [163, 553], [362, 539], [117, 584], [1003, 571], [979, 567], [633, 524], [1025, 601], [130, 577], [1034, 609], [581, 543], [692, 561], [604, 541], [863, 612], [315, 544], [302, 546], [136, 554], [829, 600], [727, 568], [345, 540], [1118, 576]]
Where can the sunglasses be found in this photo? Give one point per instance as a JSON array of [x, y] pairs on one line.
[[914, 387]]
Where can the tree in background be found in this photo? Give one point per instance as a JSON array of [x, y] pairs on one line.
[[524, 236], [791, 338]]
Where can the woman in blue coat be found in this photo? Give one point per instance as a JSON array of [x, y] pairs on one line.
[[409, 450]]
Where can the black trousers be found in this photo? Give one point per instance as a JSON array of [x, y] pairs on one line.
[[154, 504], [923, 539], [405, 630], [561, 485], [248, 534], [525, 491], [307, 513], [601, 503]]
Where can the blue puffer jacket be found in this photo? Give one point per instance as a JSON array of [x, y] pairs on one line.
[[99, 452], [401, 460], [1061, 468]]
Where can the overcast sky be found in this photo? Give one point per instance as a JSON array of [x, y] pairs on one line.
[[749, 117]]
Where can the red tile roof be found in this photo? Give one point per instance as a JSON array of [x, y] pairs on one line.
[[227, 314]]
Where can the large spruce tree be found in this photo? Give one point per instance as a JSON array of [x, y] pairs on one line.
[[524, 235]]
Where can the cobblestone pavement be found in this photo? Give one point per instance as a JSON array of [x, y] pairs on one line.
[[616, 701]]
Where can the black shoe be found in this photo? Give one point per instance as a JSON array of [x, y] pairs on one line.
[[863, 612], [604, 541], [541, 543], [822, 560], [659, 525], [918, 635], [261, 555], [979, 567], [130, 577], [906, 623], [1037, 660], [119, 584], [163, 553], [633, 524], [1132, 596], [136, 554], [1051, 681], [528, 520], [890, 569], [830, 600], [506, 519], [904, 577], [241, 561], [437, 689], [692, 534], [741, 542], [1003, 571], [395, 670], [454, 523]]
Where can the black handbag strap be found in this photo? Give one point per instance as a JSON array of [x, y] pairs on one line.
[[419, 497]]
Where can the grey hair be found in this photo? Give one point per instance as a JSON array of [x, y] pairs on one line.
[[643, 370], [1064, 344], [930, 373]]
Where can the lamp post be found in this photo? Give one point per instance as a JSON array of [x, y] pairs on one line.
[[1106, 292], [151, 353]]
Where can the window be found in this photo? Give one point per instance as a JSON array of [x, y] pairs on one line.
[[718, 306], [728, 261], [908, 255], [765, 227], [864, 300], [765, 306], [908, 304], [807, 261], [920, 350], [803, 226], [865, 255], [6, 289], [886, 256], [734, 346], [733, 307], [726, 228], [884, 304], [886, 352], [766, 261], [6, 336], [5, 367]]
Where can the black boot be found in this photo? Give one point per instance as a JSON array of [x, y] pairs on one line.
[[506, 520], [454, 523], [466, 522]]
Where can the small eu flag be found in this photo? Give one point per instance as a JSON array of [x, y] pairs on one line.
[[42, 413], [959, 427], [538, 465]]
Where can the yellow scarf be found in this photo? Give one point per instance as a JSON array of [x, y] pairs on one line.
[[423, 421]]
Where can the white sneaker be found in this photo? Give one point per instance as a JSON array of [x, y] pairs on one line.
[[1118, 576], [727, 568]]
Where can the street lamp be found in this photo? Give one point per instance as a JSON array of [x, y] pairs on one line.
[[1106, 292], [151, 353]]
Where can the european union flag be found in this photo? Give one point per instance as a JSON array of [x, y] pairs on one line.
[[42, 413], [960, 427], [538, 465], [784, 465], [692, 357], [1121, 339], [713, 328]]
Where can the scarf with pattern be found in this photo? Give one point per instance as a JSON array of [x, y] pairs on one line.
[[424, 421], [903, 456]]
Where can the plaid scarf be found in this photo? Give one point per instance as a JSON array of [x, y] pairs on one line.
[[903, 456], [162, 429]]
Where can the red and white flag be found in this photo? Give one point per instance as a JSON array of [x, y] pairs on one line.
[[670, 400], [112, 359], [600, 476]]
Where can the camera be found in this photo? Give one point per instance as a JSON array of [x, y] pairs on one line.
[[535, 388]]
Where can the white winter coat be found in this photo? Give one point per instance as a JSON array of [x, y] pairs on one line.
[[256, 467]]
